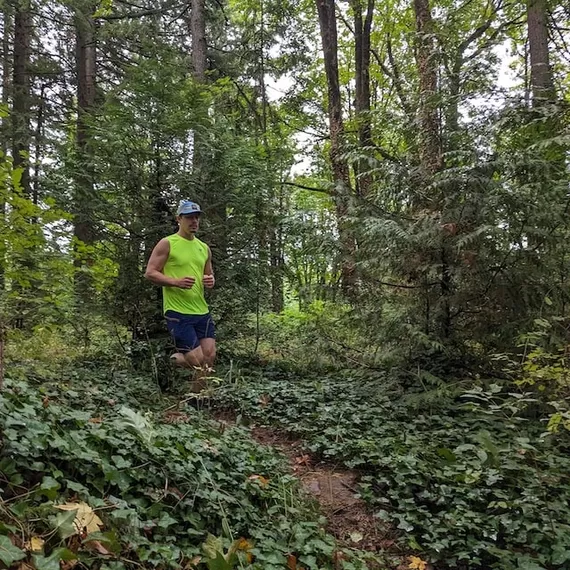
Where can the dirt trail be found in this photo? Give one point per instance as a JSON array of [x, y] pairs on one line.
[[335, 489]]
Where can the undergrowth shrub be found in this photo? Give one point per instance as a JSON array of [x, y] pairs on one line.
[[467, 478], [170, 489]]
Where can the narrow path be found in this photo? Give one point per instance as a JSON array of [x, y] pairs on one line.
[[349, 519]]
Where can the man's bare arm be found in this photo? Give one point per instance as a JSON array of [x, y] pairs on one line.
[[156, 264], [208, 278]]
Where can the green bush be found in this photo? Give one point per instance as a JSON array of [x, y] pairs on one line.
[[471, 482]]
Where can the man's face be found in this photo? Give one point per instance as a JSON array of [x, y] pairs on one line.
[[189, 223]]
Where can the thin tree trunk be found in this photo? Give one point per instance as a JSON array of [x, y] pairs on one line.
[[340, 170], [38, 146], [21, 134], [198, 37], [215, 206], [4, 134], [84, 188], [362, 31], [430, 151], [429, 136], [21, 93], [540, 69]]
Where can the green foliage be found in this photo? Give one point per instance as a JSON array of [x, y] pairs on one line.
[[469, 480], [195, 493]]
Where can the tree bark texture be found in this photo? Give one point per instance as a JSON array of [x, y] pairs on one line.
[[540, 71], [426, 59], [5, 131], [198, 37], [341, 176], [21, 92], [84, 217], [86, 77], [362, 31]]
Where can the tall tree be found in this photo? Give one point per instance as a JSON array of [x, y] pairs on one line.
[[362, 32], [85, 61], [540, 70], [426, 57], [4, 132], [198, 38], [341, 175], [21, 91]]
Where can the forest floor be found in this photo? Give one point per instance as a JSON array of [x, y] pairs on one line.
[[277, 469], [334, 487]]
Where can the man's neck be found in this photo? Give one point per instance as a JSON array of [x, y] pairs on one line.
[[186, 236]]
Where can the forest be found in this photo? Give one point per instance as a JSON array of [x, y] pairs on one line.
[[385, 187]]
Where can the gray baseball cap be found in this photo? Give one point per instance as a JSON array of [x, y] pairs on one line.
[[188, 207]]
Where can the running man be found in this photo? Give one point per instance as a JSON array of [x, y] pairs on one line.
[[182, 265]]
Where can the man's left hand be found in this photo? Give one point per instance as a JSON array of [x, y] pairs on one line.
[[209, 281]]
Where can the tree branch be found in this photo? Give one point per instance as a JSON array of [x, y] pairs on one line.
[[303, 187]]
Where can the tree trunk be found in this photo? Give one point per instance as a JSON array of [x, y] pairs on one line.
[[215, 206], [540, 71], [362, 31], [84, 218], [21, 92], [38, 146], [5, 134], [341, 176], [198, 37], [430, 153], [276, 257], [429, 136]]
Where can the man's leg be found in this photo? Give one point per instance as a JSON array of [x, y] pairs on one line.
[[189, 352], [179, 360], [195, 360], [208, 346]]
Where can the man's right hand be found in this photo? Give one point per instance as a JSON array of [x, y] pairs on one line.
[[185, 282]]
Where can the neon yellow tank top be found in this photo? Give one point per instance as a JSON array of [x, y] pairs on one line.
[[187, 258]]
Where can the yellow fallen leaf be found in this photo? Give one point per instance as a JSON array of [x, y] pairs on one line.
[[85, 519], [260, 479], [417, 563], [243, 544], [36, 544]]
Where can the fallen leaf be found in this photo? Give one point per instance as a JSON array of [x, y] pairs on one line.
[[244, 544], [193, 563], [264, 400], [356, 536], [36, 544], [292, 562], [96, 420], [302, 460], [417, 563], [98, 547], [85, 519], [260, 479], [45, 401]]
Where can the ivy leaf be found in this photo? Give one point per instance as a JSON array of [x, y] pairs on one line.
[[218, 563], [52, 561], [8, 552], [84, 519], [49, 487], [64, 524]]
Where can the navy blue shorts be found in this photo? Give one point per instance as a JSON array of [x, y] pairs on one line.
[[189, 330]]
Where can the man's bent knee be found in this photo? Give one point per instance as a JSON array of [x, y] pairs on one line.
[[195, 357], [208, 346]]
